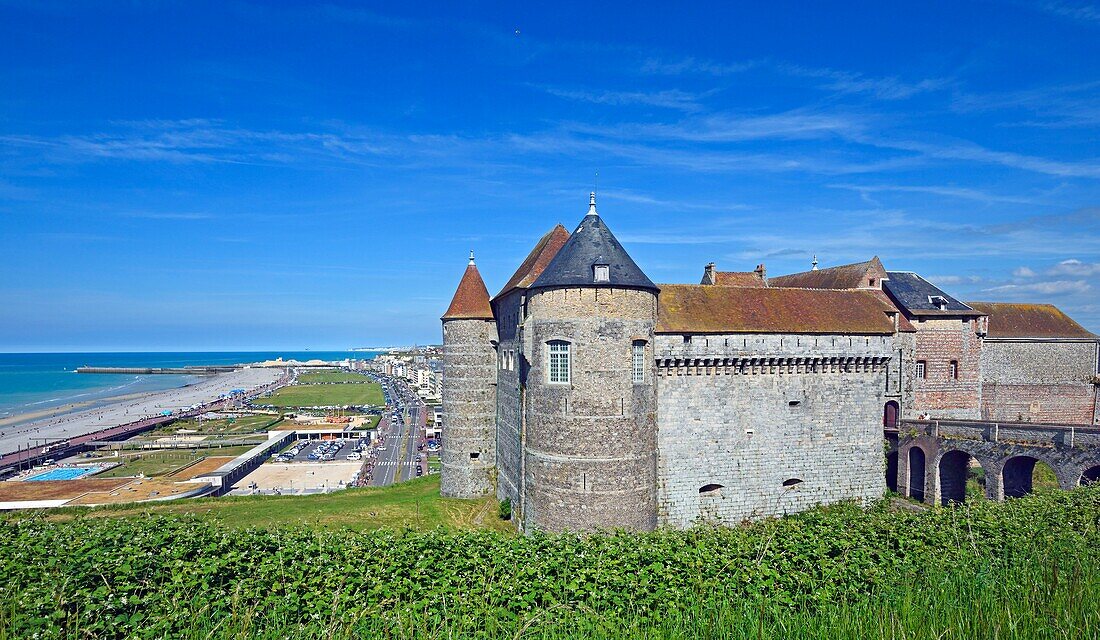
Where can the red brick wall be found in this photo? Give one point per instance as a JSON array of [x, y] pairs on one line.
[[938, 342]]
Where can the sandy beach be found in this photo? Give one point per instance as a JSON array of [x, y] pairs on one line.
[[73, 420]]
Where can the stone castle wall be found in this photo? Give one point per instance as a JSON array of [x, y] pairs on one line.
[[468, 457], [1039, 381], [938, 342], [760, 425], [590, 454], [509, 402]]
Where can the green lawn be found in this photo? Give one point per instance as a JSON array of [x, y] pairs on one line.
[[325, 395], [236, 426], [157, 463], [333, 376], [415, 503]]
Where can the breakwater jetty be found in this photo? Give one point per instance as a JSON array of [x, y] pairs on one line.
[[193, 371]]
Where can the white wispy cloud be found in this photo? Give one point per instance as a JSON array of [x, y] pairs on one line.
[[1023, 272], [668, 99], [1075, 268], [1078, 11], [965, 193], [1049, 287]]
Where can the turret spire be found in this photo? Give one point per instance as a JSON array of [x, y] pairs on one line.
[[592, 204]]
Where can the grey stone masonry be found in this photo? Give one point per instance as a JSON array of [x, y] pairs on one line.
[[590, 447], [468, 456], [509, 401], [752, 426], [1039, 380]]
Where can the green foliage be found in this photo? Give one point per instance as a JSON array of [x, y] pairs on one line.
[[506, 509], [1026, 568]]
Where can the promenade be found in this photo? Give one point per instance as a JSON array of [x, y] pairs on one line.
[[132, 409]]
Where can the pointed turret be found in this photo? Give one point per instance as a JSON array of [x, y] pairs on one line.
[[469, 372], [593, 257], [471, 299]]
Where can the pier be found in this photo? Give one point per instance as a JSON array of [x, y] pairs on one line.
[[191, 371]]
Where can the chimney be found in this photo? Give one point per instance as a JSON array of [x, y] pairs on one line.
[[762, 272], [708, 274]]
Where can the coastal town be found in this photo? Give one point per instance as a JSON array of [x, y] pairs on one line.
[[272, 427]]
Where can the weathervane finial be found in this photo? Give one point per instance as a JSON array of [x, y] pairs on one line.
[[592, 204], [471, 257], [813, 264]]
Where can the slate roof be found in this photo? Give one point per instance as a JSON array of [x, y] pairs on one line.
[[694, 308], [738, 279], [592, 243], [1020, 320], [544, 251], [912, 295], [845, 276], [471, 301]]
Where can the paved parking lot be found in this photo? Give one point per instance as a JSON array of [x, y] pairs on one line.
[[340, 455]]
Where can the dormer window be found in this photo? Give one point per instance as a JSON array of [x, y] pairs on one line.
[[939, 302], [601, 273]]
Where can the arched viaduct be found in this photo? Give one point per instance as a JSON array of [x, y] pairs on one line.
[[929, 459]]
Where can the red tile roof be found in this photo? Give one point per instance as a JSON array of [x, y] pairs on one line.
[[1019, 320], [471, 301], [691, 308], [845, 276], [545, 249]]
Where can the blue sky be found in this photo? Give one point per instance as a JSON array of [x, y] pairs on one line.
[[236, 175]]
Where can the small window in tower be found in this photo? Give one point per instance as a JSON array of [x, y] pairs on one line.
[[638, 361], [954, 369], [687, 339], [601, 273], [475, 455], [710, 489], [921, 369], [871, 282], [792, 482]]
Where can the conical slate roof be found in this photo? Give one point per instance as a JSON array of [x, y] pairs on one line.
[[471, 301], [592, 244]]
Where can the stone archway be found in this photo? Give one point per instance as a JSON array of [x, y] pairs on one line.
[[954, 469], [1091, 475], [916, 473], [892, 470], [1018, 474]]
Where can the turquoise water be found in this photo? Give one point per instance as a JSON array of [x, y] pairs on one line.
[[36, 381], [64, 473]]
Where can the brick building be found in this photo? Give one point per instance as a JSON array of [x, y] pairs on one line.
[[592, 398]]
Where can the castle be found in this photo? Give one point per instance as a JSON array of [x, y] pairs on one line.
[[591, 398]]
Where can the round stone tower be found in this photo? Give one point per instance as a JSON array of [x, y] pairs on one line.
[[591, 431], [468, 456]]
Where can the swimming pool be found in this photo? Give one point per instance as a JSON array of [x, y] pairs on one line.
[[65, 473]]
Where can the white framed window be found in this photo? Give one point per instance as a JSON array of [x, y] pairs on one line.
[[558, 368], [638, 361], [601, 273], [920, 369], [955, 369]]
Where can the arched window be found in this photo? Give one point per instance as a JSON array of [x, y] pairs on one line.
[[558, 367], [638, 361]]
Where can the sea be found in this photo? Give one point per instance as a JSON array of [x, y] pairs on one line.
[[31, 382]]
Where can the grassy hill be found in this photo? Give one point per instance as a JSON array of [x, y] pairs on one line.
[[414, 504]]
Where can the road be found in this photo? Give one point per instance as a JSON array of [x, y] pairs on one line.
[[402, 431]]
